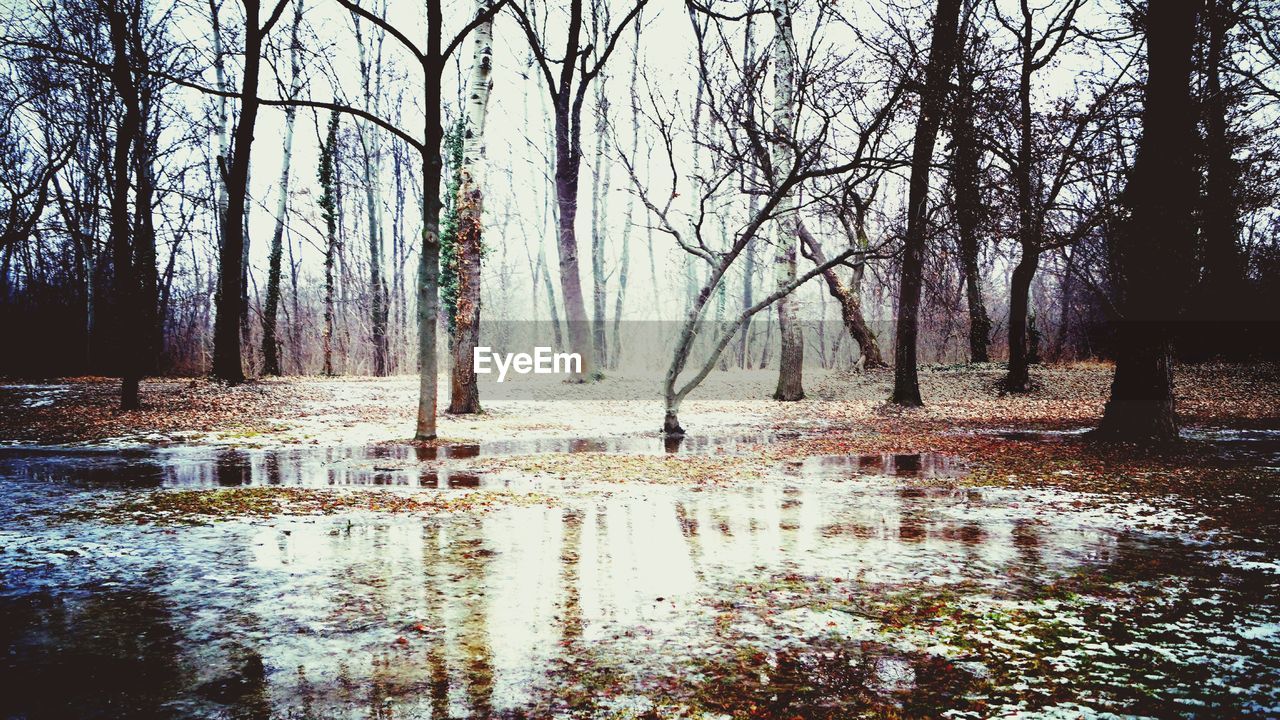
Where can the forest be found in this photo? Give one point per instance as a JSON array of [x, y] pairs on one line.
[[640, 358]]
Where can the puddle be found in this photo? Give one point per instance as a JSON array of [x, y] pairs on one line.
[[912, 465], [386, 464], [839, 587]]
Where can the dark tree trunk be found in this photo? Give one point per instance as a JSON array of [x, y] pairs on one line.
[[968, 208], [227, 364], [125, 281], [1019, 377], [270, 344], [429, 259], [942, 47], [568, 159], [1154, 252], [1219, 297], [144, 246]]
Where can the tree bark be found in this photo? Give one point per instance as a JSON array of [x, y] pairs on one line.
[[968, 208], [226, 334], [1154, 252], [1018, 378], [464, 396], [791, 357], [850, 304], [942, 47], [328, 175], [124, 279], [566, 179], [270, 344]]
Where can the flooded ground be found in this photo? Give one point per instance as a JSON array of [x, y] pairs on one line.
[[824, 587]]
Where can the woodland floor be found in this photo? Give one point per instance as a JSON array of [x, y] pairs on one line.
[[278, 549]]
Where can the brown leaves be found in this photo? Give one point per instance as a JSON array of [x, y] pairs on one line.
[[188, 506]]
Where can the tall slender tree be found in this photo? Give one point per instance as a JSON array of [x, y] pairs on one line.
[[1035, 51], [568, 76], [933, 94], [791, 358], [124, 280], [464, 396], [227, 364], [270, 343]]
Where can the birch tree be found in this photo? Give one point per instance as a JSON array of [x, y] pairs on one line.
[[270, 344], [464, 396], [791, 358]]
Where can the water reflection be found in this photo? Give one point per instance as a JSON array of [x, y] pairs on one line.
[[588, 609], [386, 465]]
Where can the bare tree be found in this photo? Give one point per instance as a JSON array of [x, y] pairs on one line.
[[942, 51], [270, 344], [580, 64], [1154, 250], [464, 396], [230, 310]]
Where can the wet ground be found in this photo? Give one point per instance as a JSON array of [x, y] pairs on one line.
[[827, 587]]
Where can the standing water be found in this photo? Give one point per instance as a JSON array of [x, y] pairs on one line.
[[829, 587]]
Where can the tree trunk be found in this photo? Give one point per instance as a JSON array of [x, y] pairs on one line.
[[749, 252], [464, 396], [371, 80], [850, 304], [429, 258], [968, 206], [1154, 252], [270, 345], [151, 330], [328, 208], [1018, 379], [566, 177], [125, 282], [791, 357], [599, 201], [226, 334], [615, 354], [942, 46]]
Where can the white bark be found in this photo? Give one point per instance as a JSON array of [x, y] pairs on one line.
[[295, 88], [477, 107], [791, 359]]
